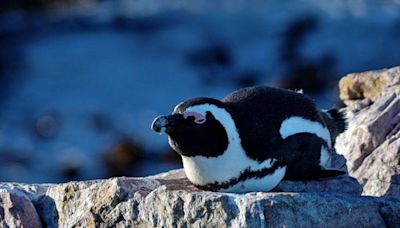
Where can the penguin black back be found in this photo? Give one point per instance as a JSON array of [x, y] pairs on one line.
[[259, 112]]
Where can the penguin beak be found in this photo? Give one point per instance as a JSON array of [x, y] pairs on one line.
[[165, 124]]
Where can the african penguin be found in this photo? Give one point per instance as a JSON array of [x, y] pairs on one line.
[[252, 139]]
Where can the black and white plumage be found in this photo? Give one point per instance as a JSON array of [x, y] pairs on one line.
[[252, 139]]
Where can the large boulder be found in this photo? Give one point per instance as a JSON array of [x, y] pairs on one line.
[[371, 146], [371, 143]]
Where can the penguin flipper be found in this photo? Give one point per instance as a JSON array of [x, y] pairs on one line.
[[302, 154]]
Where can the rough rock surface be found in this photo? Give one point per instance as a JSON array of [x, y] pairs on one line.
[[17, 210], [371, 145], [169, 200]]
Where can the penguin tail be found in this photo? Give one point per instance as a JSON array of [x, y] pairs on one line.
[[335, 120], [339, 119]]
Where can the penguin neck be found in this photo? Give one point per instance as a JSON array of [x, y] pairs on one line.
[[202, 170]]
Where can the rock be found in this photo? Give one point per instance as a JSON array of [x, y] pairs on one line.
[[368, 85], [344, 184], [17, 210], [371, 143], [371, 146], [169, 200]]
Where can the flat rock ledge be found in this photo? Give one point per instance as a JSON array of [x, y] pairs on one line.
[[368, 199], [169, 200]]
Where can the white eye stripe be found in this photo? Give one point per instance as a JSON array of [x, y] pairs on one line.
[[177, 106]]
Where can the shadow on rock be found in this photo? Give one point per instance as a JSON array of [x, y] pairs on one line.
[[47, 210], [394, 189]]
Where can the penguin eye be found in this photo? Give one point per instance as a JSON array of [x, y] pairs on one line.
[[198, 118]]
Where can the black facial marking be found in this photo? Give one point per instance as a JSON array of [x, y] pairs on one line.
[[188, 138], [245, 175]]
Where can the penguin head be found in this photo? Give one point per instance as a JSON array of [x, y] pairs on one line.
[[195, 128]]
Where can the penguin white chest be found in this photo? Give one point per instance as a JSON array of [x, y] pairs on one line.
[[233, 174], [233, 171]]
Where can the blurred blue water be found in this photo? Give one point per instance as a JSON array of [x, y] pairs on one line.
[[74, 85]]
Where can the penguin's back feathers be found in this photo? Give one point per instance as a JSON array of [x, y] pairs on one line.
[[259, 113]]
